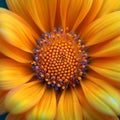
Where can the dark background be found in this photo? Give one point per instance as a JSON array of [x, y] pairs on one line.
[[3, 4]]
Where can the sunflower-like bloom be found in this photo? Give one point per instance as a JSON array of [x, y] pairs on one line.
[[60, 60]]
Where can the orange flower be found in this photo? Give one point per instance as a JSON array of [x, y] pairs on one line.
[[60, 59]]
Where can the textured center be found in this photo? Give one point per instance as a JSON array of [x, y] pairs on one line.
[[60, 62], [60, 59]]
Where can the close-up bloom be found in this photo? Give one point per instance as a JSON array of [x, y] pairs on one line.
[[60, 60]]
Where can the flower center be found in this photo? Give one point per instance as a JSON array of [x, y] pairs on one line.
[[60, 59]]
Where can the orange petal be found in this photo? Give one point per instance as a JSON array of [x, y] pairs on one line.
[[85, 7], [24, 97], [2, 56], [89, 116], [15, 117], [102, 29], [100, 99], [69, 107], [109, 49], [69, 10], [13, 73], [58, 22], [41, 12], [89, 112], [112, 91], [109, 68], [13, 52], [19, 7], [2, 98], [20, 36], [94, 10], [109, 6], [107, 94], [93, 116], [45, 109]]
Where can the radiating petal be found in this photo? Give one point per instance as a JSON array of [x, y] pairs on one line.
[[22, 98], [19, 7], [13, 73], [108, 68], [85, 7], [100, 99], [57, 17], [52, 8], [15, 117], [45, 109], [91, 115], [16, 31], [42, 12], [69, 107], [102, 29], [109, 89], [94, 10], [109, 6], [94, 116], [89, 112], [109, 49], [13, 52], [69, 11], [104, 94]]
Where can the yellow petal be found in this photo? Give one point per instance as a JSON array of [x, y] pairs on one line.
[[20, 8], [104, 96], [104, 85], [94, 100], [102, 29], [109, 49], [13, 52], [109, 6], [89, 112], [94, 10], [23, 98], [41, 12], [45, 109], [15, 117], [13, 74], [109, 68], [69, 10], [85, 7], [16, 31], [69, 107]]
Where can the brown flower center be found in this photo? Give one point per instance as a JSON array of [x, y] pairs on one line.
[[60, 59]]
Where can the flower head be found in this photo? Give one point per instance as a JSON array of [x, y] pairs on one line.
[[60, 59]]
